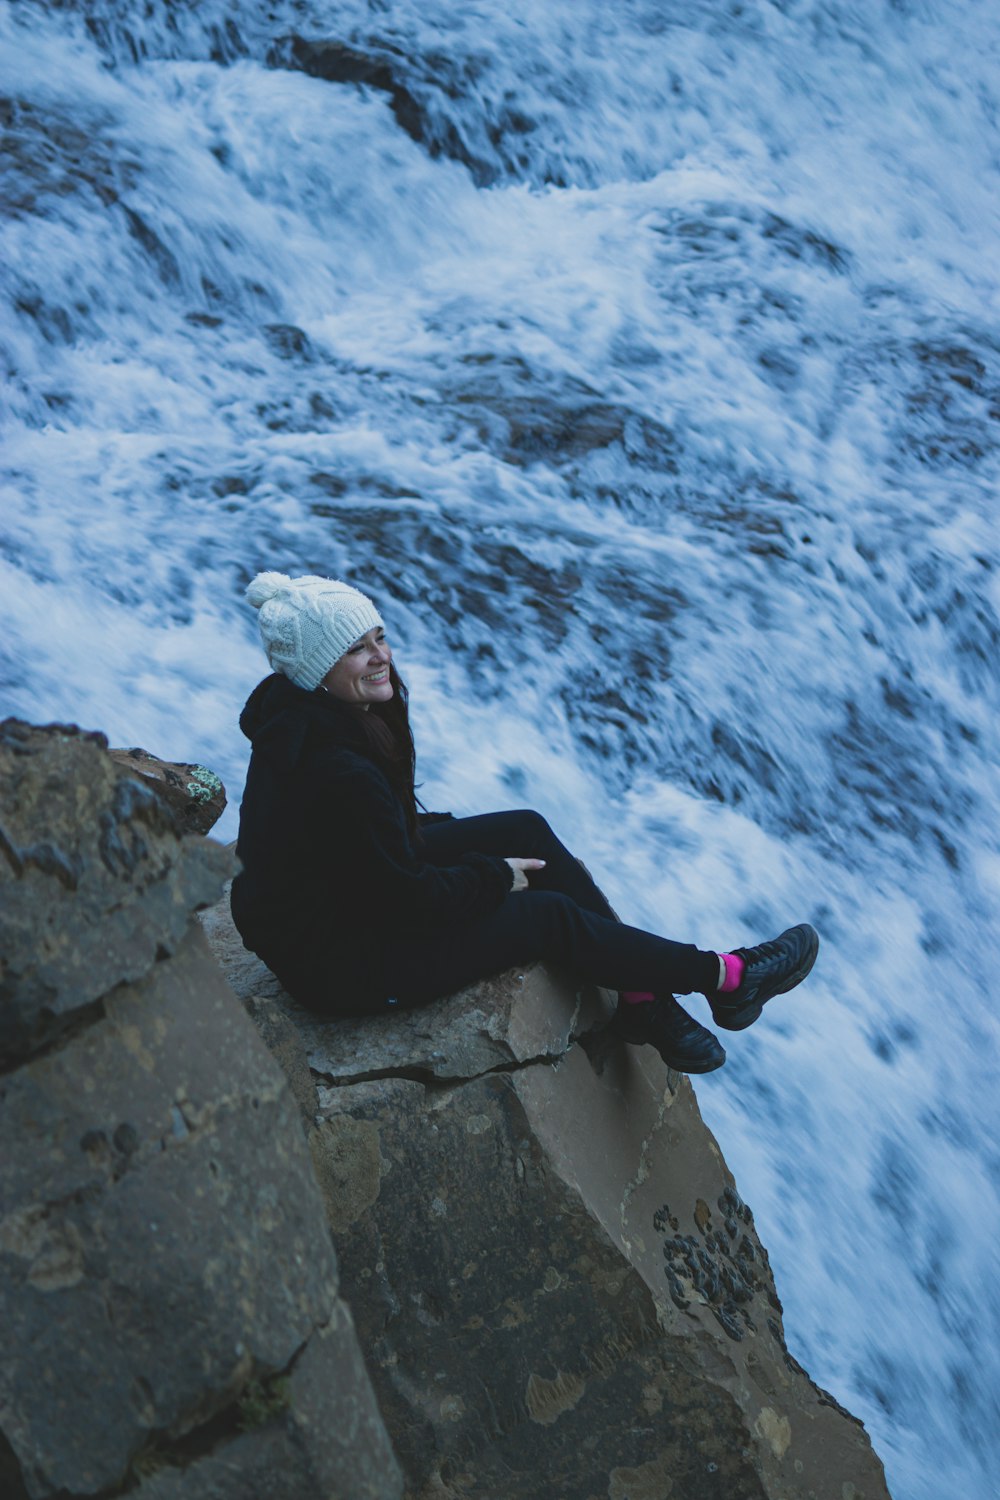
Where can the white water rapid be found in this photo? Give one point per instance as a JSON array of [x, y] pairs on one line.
[[643, 361]]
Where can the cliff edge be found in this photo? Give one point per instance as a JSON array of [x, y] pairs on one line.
[[558, 1286]]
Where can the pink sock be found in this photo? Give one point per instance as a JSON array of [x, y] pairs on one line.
[[636, 997], [734, 966]]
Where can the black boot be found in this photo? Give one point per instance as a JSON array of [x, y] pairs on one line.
[[771, 969], [680, 1040]]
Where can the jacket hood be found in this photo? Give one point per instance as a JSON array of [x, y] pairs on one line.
[[265, 703], [278, 715]]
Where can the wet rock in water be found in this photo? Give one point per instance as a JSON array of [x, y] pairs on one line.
[[411, 83], [168, 1283], [195, 793], [533, 1239]]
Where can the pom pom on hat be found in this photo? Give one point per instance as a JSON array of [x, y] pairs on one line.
[[267, 586], [306, 624]]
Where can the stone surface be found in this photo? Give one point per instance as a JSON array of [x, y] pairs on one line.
[[95, 879], [168, 1283], [490, 1025], [561, 1290], [162, 1238], [194, 793], [302, 1449]]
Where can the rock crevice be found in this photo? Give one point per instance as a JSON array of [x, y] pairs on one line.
[[428, 1078]]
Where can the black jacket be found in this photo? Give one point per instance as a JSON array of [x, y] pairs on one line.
[[331, 879]]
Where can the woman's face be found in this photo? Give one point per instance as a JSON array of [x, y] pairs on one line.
[[361, 676]]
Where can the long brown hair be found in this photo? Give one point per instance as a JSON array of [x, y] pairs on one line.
[[387, 733]]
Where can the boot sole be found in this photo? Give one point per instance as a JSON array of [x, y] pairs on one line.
[[676, 1060], [742, 1018], [693, 1067]]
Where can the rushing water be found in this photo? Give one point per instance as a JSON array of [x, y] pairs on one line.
[[644, 362]]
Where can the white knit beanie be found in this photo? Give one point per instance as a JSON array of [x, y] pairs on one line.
[[308, 623]]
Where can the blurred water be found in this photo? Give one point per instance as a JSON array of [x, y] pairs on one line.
[[644, 362]]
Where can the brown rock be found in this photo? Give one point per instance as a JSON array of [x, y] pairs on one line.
[[562, 1291], [490, 1025], [194, 793]]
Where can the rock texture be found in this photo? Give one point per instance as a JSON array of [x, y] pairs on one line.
[[93, 883], [560, 1288], [168, 1284], [195, 793]]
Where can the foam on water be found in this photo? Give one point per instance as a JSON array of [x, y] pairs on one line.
[[644, 364]]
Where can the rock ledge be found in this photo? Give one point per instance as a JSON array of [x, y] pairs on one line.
[[560, 1288]]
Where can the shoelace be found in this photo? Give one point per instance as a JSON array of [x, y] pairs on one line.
[[763, 951]]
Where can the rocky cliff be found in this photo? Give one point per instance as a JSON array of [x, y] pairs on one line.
[[556, 1286], [168, 1284]]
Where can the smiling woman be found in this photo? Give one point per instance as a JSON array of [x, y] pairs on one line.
[[359, 900], [361, 676]]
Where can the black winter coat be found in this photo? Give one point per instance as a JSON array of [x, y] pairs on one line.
[[331, 879]]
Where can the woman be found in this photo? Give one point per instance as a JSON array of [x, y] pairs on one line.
[[359, 900]]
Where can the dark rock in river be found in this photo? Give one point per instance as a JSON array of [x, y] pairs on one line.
[[559, 1287]]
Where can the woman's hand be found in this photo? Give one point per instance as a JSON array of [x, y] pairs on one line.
[[519, 866]]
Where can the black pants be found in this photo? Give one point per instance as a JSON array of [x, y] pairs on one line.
[[562, 917]]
